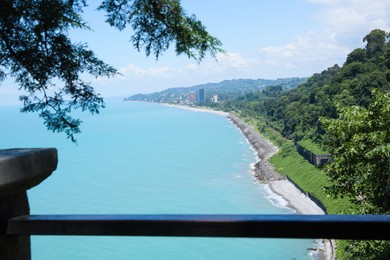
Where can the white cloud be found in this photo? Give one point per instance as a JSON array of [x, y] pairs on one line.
[[288, 50], [344, 24], [138, 72], [235, 60], [341, 28], [354, 16], [135, 79], [304, 55], [223, 62], [357, 14]]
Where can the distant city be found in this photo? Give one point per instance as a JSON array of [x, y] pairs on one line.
[[211, 93], [199, 97]]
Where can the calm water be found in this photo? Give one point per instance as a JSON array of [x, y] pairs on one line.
[[147, 158]]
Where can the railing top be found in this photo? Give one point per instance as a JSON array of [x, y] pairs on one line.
[[254, 226], [24, 168]]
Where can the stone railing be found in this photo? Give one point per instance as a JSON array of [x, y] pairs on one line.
[[20, 170]]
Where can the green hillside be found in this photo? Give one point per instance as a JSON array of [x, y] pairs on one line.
[[346, 111]]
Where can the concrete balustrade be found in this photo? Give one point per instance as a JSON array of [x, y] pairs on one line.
[[20, 170]]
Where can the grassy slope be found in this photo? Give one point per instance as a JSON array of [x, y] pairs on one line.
[[309, 178]]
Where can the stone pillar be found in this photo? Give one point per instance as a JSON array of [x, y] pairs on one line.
[[20, 170], [14, 247]]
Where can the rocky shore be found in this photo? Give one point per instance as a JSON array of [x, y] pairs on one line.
[[263, 170]]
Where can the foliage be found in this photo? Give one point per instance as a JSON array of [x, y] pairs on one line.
[[295, 113], [353, 102], [36, 50], [158, 23], [367, 249], [360, 143], [376, 42]]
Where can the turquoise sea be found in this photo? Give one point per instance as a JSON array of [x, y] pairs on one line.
[[142, 158]]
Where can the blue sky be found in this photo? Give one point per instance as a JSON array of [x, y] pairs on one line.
[[262, 38]]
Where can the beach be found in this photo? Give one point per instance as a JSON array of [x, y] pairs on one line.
[[264, 173], [196, 109]]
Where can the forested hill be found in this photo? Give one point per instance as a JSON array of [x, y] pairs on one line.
[[226, 90], [296, 113]]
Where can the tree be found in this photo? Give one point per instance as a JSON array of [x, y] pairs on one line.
[[360, 144], [358, 55], [376, 42], [35, 50]]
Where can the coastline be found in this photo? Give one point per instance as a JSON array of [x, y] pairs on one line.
[[264, 173], [279, 184], [196, 109]]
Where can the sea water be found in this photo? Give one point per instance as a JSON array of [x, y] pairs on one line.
[[143, 158]]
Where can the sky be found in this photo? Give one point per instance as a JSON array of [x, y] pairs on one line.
[[266, 39]]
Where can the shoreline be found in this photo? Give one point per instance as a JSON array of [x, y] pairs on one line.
[[196, 109], [264, 173]]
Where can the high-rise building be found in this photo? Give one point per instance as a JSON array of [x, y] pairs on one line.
[[200, 96]]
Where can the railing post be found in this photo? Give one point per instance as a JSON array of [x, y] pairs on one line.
[[20, 170], [14, 247]]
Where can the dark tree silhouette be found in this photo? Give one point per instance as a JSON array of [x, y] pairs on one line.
[[35, 50]]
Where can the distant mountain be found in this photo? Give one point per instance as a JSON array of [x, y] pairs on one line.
[[226, 90]]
